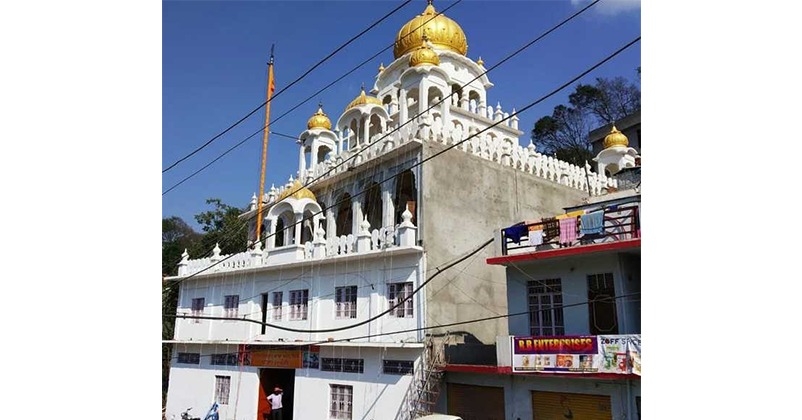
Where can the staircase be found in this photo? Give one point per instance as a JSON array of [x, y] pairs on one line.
[[424, 391]]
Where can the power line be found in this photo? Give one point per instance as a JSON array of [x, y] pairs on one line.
[[432, 106], [302, 102], [431, 327], [338, 49], [449, 147]]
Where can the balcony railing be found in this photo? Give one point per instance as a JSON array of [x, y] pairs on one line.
[[609, 223]]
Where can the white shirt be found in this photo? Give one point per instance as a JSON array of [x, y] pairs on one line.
[[275, 401]]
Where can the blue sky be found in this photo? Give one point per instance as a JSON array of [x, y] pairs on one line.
[[214, 72]]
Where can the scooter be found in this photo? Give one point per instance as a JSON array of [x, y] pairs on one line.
[[185, 415]]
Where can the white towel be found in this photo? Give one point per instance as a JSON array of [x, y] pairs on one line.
[[535, 237]]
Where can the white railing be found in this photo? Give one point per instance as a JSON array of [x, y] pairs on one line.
[[404, 235]]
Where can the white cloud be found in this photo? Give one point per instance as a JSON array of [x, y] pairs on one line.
[[610, 7]]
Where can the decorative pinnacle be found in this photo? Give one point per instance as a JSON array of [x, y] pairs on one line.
[[381, 67]]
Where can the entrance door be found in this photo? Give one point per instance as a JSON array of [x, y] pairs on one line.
[[269, 379], [567, 406]]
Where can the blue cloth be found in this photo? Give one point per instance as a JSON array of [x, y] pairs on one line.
[[516, 232], [592, 223]]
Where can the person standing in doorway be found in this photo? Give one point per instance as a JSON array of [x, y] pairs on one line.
[[275, 403]]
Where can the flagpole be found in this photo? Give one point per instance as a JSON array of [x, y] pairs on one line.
[[265, 136]]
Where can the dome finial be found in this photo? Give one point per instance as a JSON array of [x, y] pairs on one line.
[[480, 62], [381, 67]]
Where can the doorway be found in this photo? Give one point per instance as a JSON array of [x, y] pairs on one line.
[[270, 378]]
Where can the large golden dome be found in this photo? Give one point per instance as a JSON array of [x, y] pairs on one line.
[[363, 99], [319, 120], [443, 33], [615, 138]]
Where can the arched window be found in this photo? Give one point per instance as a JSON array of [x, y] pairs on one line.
[[376, 125], [344, 215], [373, 206], [406, 194], [306, 227], [279, 232]]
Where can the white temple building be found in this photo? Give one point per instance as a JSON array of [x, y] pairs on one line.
[[374, 212]]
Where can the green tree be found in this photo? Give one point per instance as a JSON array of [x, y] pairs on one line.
[[564, 133], [222, 225]]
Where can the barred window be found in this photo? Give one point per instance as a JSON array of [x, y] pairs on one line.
[[299, 304], [398, 292], [545, 307], [189, 358], [231, 306], [342, 365], [345, 302], [222, 388], [197, 308], [342, 398], [398, 367], [227, 359], [278, 298]]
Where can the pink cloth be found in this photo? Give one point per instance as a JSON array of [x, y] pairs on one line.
[[568, 230]]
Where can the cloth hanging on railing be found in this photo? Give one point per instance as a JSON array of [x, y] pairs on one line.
[[515, 232], [567, 230], [592, 223], [535, 235]]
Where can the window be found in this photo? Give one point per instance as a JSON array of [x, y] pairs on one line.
[[227, 359], [342, 365], [231, 306], [197, 308], [342, 397], [601, 304], [398, 367], [345, 301], [545, 307], [299, 301], [222, 387], [397, 293], [189, 358], [278, 297]]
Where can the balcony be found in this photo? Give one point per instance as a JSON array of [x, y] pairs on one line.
[[378, 241], [607, 226]]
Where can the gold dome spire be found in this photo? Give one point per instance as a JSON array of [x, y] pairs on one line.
[[296, 191], [480, 62], [443, 33], [319, 120], [363, 99], [424, 55], [615, 138]]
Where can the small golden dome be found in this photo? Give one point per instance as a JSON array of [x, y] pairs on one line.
[[424, 55], [319, 120], [480, 62], [296, 191], [363, 99], [615, 138], [443, 33]]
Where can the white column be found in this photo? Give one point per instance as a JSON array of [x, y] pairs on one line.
[[365, 129], [331, 224], [403, 107], [423, 97], [388, 208], [313, 155], [356, 214], [271, 230], [298, 226], [301, 162]]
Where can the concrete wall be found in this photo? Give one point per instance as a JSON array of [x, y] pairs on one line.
[[376, 395], [370, 275], [573, 273], [463, 199], [518, 391]]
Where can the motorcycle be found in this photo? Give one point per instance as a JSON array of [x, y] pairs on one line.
[[211, 415]]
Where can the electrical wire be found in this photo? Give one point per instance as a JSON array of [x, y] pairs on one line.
[[471, 136], [230, 149], [449, 147], [338, 49]]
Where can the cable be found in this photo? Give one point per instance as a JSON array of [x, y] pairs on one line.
[[469, 137], [453, 324], [354, 38], [358, 324], [541, 99], [304, 101]]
